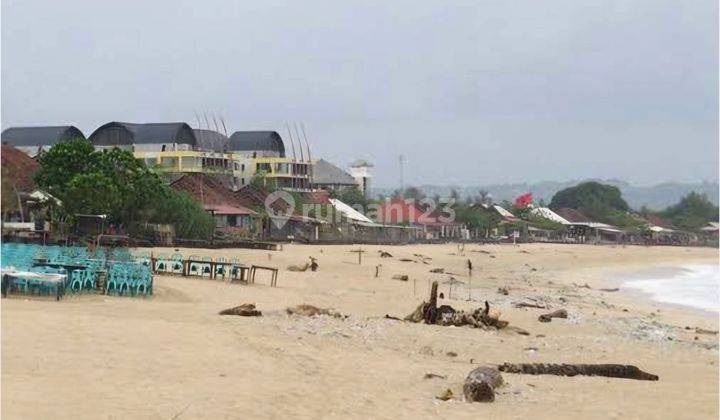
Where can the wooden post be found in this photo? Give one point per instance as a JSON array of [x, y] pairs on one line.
[[414, 285]]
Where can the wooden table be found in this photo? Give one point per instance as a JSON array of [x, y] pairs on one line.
[[273, 270], [241, 269]]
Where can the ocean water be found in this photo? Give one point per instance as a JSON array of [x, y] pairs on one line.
[[697, 286]]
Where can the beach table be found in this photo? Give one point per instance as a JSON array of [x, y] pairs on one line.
[[57, 280], [188, 262], [272, 270]]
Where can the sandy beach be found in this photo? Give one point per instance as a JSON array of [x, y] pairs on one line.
[[171, 356]]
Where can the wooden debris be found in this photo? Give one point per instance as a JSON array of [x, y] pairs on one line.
[[607, 370], [384, 254], [445, 315], [437, 270], [433, 376], [529, 305], [480, 384], [560, 313], [503, 291], [300, 268], [699, 330], [407, 260], [313, 264], [402, 277], [446, 395], [246, 309], [614, 289], [517, 330], [310, 310]]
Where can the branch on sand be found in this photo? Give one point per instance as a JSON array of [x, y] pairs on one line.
[[246, 309], [607, 370], [445, 315], [310, 310], [560, 313]]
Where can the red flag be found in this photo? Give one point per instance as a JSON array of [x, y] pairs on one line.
[[523, 201]]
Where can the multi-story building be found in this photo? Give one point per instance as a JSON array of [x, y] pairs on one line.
[[177, 148]]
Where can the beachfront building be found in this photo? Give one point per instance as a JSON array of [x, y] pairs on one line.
[[33, 140], [399, 211], [231, 216], [266, 152], [584, 230], [361, 171], [329, 177]]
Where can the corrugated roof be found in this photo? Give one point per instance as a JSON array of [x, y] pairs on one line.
[[123, 133], [546, 213], [325, 173], [211, 140], [40, 136], [244, 141], [572, 215]]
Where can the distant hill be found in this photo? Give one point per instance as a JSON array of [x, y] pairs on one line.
[[655, 197]]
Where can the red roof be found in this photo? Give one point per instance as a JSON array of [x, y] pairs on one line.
[[18, 168], [399, 211]]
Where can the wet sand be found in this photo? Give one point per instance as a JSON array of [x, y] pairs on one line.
[[172, 357]]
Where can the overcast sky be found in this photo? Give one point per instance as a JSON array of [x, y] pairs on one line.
[[470, 92]]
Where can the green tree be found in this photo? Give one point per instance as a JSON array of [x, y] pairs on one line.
[[598, 201], [114, 183], [692, 212]]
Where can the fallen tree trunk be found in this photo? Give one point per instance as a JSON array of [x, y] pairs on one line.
[[608, 370], [480, 384]]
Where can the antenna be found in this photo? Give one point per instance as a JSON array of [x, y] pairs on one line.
[[222, 121], [207, 122], [302, 125], [401, 159], [297, 134], [302, 155], [292, 144]]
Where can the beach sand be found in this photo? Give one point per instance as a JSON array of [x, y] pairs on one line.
[[172, 356]]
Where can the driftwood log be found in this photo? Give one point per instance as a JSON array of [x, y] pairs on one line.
[[310, 310], [560, 313], [480, 384], [246, 309], [608, 370]]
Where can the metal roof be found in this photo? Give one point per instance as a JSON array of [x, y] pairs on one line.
[[325, 173], [211, 140], [123, 133], [40, 136], [256, 141]]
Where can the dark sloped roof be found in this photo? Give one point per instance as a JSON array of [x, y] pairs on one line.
[[572, 215], [43, 136], [122, 133], [209, 191], [211, 140], [325, 173], [257, 140]]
